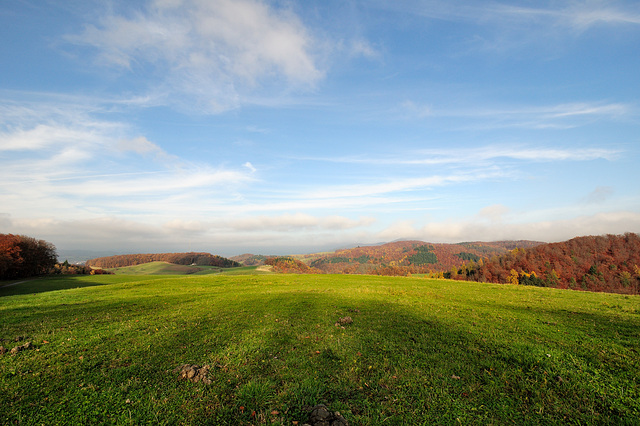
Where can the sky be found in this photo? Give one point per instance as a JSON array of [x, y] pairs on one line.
[[297, 126]]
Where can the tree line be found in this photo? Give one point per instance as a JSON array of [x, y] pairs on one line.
[[22, 256], [191, 258], [608, 263], [289, 265]]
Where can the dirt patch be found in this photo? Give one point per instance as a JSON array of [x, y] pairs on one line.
[[264, 268], [16, 349], [344, 321], [194, 373]]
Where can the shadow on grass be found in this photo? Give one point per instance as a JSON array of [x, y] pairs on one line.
[[278, 353], [55, 283]]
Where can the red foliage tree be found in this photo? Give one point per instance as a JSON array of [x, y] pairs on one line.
[[595, 263], [22, 256]]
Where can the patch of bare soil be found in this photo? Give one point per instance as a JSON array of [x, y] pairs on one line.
[[194, 373], [18, 348]]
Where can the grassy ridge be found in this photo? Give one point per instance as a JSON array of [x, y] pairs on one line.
[[165, 268], [418, 351], [159, 268]]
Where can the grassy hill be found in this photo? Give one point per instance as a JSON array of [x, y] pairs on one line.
[[165, 268], [105, 350], [158, 268], [190, 258]]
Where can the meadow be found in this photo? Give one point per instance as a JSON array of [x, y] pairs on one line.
[[416, 351], [165, 268]]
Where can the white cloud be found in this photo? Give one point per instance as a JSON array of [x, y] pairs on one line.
[[558, 116], [362, 47], [574, 14], [506, 26], [545, 230], [249, 166], [395, 185], [489, 153], [214, 52], [74, 163]]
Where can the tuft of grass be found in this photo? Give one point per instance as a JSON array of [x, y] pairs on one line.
[[417, 352]]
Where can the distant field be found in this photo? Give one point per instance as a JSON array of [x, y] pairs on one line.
[[417, 351], [165, 268]]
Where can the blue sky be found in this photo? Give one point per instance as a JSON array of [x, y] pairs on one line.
[[299, 126]]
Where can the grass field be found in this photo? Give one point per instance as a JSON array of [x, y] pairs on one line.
[[418, 351], [165, 268]]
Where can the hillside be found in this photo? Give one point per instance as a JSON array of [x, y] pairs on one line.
[[398, 257], [157, 268], [250, 259], [596, 263], [198, 259], [289, 265], [403, 257]]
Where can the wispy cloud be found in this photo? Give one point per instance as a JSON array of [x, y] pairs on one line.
[[66, 157], [397, 185], [559, 116], [579, 15], [211, 53], [506, 26], [573, 14], [485, 154]]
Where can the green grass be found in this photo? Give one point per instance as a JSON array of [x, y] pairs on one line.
[[165, 268], [162, 268], [418, 351]]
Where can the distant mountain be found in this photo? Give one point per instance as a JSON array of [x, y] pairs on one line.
[[200, 259], [81, 256]]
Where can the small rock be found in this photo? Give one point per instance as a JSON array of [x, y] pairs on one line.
[[321, 416], [3, 350]]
